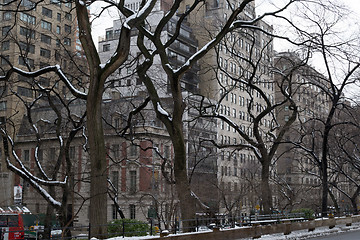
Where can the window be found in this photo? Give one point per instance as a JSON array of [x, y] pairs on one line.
[[68, 16], [167, 152], [56, 2], [115, 179], [133, 150], [58, 17], [27, 18], [7, 16], [132, 211], [22, 91], [46, 12], [132, 181], [2, 105], [57, 55], [5, 45], [106, 47], [117, 122], [155, 148], [27, 47], [109, 34], [23, 61], [28, 33], [45, 39], [67, 41], [58, 29], [24, 79], [26, 155], [27, 3], [3, 60], [44, 82], [6, 30], [45, 52], [116, 151], [46, 25], [58, 43], [67, 28], [68, 4]]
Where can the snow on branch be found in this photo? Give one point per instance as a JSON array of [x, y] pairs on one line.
[[73, 90], [203, 205], [162, 111], [44, 193], [23, 170], [56, 69], [139, 15]]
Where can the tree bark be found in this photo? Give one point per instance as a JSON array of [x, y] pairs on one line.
[[98, 178], [266, 198], [325, 188], [354, 206], [187, 201], [333, 198], [48, 216]]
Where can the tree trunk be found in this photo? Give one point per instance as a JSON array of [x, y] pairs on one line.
[[98, 178], [333, 198], [266, 198], [187, 201], [48, 216], [354, 206], [325, 187], [324, 160]]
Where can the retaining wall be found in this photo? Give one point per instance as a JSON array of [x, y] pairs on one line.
[[257, 231]]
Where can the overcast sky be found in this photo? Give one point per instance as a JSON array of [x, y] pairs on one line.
[[349, 24]]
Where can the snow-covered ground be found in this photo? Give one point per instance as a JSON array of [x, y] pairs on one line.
[[305, 234]]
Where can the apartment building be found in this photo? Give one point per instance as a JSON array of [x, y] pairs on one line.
[[298, 174], [228, 79], [34, 36]]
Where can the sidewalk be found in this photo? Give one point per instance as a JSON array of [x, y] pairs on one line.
[[305, 234]]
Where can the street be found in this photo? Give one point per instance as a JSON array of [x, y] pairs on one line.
[[353, 235]]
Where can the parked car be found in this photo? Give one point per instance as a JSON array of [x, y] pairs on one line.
[[203, 229]]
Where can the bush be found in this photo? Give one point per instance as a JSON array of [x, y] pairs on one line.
[[308, 213], [132, 228]]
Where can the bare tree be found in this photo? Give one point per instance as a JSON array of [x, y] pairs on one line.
[[334, 53], [343, 159]]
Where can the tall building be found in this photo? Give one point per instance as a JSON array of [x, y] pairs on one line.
[[34, 36], [298, 174], [229, 79]]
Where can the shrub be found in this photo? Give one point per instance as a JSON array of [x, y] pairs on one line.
[[308, 213], [132, 228]]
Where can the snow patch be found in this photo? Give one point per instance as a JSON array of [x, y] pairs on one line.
[[162, 111]]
